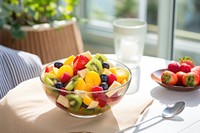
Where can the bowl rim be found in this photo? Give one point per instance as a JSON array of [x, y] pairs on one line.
[[86, 92]]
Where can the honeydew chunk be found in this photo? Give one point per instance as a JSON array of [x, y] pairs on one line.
[[83, 72], [63, 101], [87, 54], [81, 93], [111, 92], [93, 104]]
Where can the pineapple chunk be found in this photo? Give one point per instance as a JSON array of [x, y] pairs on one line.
[[83, 72], [63, 101], [87, 54], [113, 85], [93, 104]]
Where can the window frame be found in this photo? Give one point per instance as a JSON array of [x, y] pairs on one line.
[[158, 45]]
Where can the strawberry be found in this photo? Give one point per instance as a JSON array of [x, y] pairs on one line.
[[185, 68], [115, 97], [180, 75], [65, 77], [188, 60], [174, 66], [75, 71], [111, 79], [80, 61], [99, 96], [102, 99], [63, 91], [169, 77], [48, 69], [95, 90], [196, 69], [190, 79]]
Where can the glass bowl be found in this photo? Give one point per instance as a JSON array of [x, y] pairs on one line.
[[73, 102]]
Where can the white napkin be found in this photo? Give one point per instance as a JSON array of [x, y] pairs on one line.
[[26, 108]]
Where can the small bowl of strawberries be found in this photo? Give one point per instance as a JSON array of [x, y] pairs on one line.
[[181, 75]]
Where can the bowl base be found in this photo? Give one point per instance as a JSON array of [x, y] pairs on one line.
[[85, 116]]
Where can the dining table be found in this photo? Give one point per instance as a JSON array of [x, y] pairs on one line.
[[37, 113]]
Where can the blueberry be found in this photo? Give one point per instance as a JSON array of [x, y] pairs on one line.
[[84, 105], [59, 85], [104, 85], [104, 77], [58, 64], [105, 65]]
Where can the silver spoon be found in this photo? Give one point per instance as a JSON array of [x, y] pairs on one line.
[[168, 112]]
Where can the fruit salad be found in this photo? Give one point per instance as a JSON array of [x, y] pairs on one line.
[[85, 84]]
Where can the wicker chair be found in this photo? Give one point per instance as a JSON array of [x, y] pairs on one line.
[[48, 43]]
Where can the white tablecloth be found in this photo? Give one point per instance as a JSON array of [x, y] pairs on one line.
[[26, 109], [43, 116]]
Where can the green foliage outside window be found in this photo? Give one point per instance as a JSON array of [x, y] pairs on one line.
[[126, 8], [17, 13]]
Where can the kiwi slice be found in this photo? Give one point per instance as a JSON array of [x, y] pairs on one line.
[[102, 58], [72, 83], [53, 94], [85, 111], [75, 102], [94, 65], [51, 76], [48, 81], [105, 108]]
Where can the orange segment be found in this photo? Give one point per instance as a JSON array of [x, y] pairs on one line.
[[120, 73], [63, 69], [124, 81], [80, 84], [87, 100], [69, 60], [93, 78], [88, 87], [113, 70]]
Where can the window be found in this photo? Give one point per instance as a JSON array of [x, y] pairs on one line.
[[187, 41], [159, 15]]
